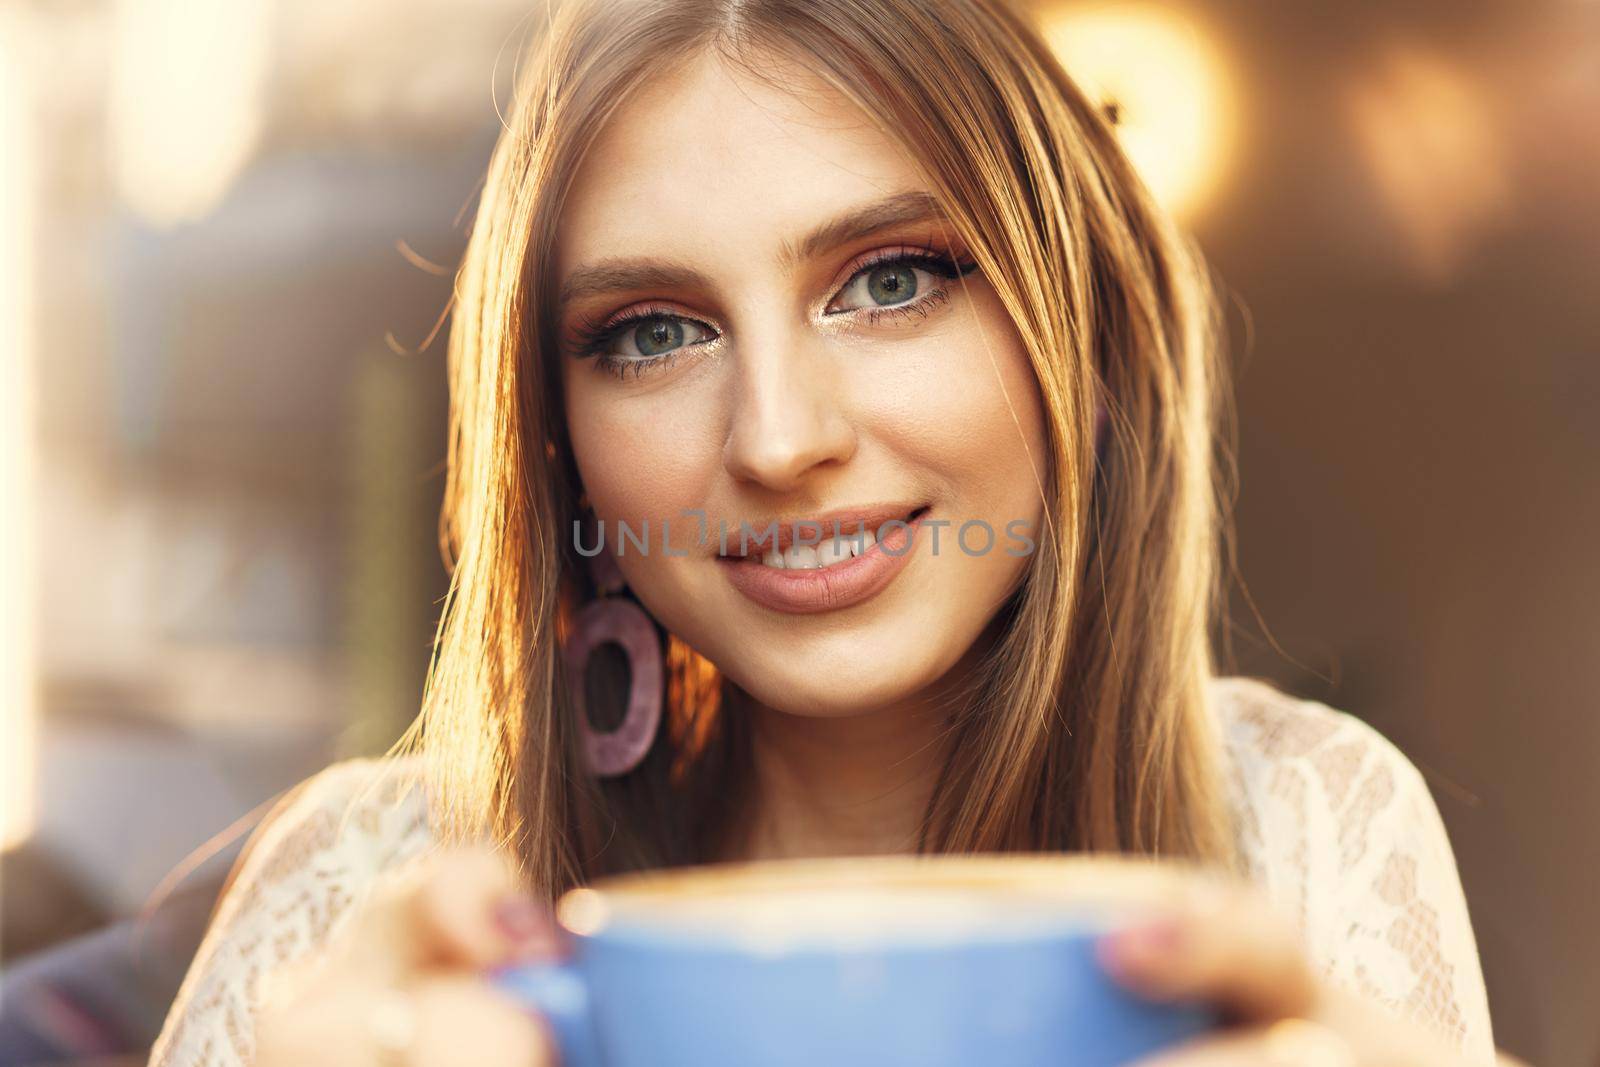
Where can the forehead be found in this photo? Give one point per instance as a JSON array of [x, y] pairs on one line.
[[708, 158]]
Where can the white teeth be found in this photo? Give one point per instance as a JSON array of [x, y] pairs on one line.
[[800, 557], [832, 551], [814, 557]]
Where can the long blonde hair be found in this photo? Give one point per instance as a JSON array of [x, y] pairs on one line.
[[1087, 728]]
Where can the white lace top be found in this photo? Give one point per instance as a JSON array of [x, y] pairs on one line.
[[1334, 822]]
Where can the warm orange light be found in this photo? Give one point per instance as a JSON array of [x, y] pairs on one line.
[[187, 85], [18, 688], [1167, 79], [1428, 135]]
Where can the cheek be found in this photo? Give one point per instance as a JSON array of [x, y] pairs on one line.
[[641, 458], [969, 414]]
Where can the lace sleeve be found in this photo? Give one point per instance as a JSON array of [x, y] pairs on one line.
[[307, 863], [1410, 941], [1341, 828]]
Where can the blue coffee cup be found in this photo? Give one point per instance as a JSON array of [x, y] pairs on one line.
[[965, 961]]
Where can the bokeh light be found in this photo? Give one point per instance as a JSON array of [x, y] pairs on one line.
[[1428, 136], [1165, 77], [187, 83], [18, 673]]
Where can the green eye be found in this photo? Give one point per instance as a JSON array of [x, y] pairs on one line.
[[894, 284], [657, 336], [900, 282]]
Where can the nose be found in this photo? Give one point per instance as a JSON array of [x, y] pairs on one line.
[[789, 416]]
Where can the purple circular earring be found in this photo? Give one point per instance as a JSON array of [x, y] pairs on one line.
[[610, 619]]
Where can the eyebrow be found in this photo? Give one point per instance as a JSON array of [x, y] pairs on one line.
[[618, 275]]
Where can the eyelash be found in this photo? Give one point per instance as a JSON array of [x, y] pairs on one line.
[[592, 338]]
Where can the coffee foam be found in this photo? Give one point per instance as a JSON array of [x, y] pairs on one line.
[[858, 902]]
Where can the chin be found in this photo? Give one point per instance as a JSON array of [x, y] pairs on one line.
[[846, 687], [829, 703]]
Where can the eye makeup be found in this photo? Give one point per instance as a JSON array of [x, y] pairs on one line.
[[613, 342]]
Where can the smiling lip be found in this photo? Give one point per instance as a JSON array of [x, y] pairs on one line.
[[842, 585], [816, 528]]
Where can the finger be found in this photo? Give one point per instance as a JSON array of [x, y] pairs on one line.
[[461, 907], [1223, 944], [312, 1029], [442, 1021], [1289, 1043], [462, 1021]]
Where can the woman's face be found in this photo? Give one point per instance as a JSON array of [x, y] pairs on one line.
[[764, 322]]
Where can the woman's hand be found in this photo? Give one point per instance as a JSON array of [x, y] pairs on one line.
[[1225, 945], [402, 986]]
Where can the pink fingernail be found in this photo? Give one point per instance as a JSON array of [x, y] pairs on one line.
[[1139, 945], [522, 919]]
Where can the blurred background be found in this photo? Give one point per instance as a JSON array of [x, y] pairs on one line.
[[226, 238]]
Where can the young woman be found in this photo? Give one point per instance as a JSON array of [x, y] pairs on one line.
[[757, 267]]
